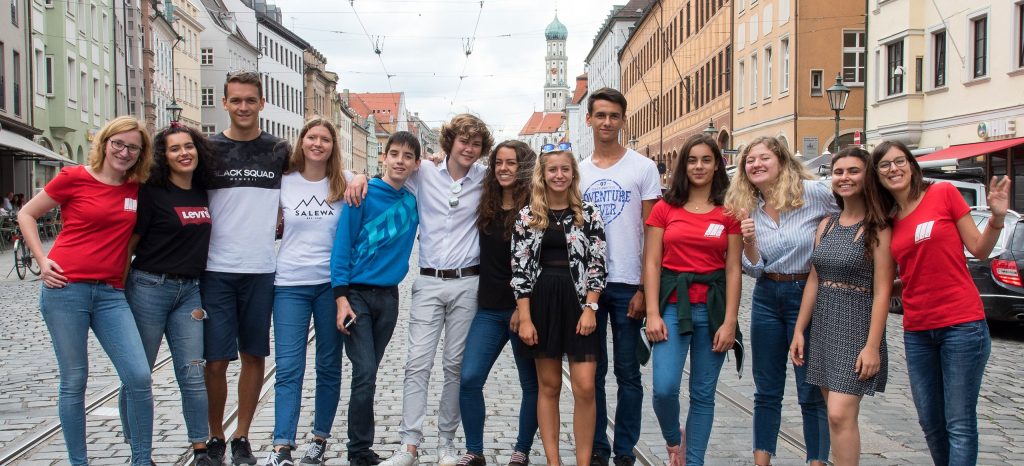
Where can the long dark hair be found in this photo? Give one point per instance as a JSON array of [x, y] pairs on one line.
[[490, 203], [679, 192], [160, 172], [917, 183], [876, 216]]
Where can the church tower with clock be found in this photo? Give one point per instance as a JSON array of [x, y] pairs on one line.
[[556, 87]]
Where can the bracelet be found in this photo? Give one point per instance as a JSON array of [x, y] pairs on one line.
[[749, 242]]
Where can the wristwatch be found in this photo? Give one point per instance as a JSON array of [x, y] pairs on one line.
[[592, 306]]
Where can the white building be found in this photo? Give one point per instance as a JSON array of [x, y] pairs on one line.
[[223, 48], [280, 63], [160, 72], [187, 73], [128, 71], [556, 87], [602, 65]]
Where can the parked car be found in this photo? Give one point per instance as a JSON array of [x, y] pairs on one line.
[[997, 277]]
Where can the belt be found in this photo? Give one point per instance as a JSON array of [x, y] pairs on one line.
[[176, 276], [451, 273], [786, 277]]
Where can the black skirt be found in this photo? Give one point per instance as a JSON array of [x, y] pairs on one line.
[[555, 310]]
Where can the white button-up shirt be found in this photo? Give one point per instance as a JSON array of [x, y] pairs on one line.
[[448, 237]]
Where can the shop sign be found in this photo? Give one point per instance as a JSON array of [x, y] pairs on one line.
[[997, 129]]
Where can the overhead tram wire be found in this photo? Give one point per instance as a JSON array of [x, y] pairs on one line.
[[468, 49]]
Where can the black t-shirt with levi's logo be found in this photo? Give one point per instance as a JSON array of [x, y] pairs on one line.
[[174, 227]]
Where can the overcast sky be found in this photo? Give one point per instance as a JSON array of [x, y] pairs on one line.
[[422, 46]]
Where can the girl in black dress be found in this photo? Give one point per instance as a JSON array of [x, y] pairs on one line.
[[558, 255]]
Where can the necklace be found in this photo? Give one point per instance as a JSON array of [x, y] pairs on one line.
[[559, 218]]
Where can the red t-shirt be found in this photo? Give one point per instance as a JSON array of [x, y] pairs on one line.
[[694, 243], [938, 291], [98, 220]]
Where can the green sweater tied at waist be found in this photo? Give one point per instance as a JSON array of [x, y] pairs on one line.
[[680, 283]]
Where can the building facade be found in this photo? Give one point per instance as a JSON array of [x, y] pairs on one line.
[[78, 81], [946, 78], [675, 76], [223, 47], [320, 85], [281, 65], [128, 72], [788, 52], [187, 71], [158, 63], [577, 131]]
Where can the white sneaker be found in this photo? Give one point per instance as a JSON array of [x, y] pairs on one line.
[[402, 458], [446, 453]]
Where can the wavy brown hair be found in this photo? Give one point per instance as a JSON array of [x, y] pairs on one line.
[[787, 193], [490, 203], [335, 172], [876, 217], [679, 192], [467, 125], [139, 172], [539, 193]]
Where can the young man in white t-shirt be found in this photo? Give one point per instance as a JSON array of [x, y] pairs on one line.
[[625, 186]]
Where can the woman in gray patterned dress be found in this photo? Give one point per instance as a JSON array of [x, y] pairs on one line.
[[846, 303]]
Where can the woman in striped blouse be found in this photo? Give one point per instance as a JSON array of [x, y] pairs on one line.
[[780, 207]]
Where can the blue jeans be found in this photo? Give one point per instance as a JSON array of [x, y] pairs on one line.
[[487, 337], [668, 358], [376, 311], [69, 313], [172, 307], [946, 366], [294, 306], [772, 321], [614, 302]]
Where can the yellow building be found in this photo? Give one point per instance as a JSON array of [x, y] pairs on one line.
[[187, 74], [788, 53], [674, 70]]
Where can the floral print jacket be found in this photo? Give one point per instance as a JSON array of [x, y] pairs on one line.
[[586, 253]]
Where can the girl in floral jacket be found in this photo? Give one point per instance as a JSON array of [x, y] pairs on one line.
[[558, 255]]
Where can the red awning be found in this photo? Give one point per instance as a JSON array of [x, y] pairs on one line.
[[970, 150]]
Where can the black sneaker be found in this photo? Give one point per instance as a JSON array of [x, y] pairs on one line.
[[202, 458], [598, 459], [373, 458], [315, 452], [472, 459], [215, 449], [519, 459], [623, 460], [241, 452], [282, 457]]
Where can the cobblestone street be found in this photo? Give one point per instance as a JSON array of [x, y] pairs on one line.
[[889, 427]]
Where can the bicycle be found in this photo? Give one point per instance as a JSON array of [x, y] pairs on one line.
[[23, 260]]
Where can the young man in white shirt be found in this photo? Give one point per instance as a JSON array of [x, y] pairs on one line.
[[444, 294], [625, 186]]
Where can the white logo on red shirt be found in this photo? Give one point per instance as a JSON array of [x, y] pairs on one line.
[[714, 230], [924, 231], [193, 215], [131, 205]]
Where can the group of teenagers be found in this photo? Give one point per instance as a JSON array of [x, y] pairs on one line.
[[173, 236]]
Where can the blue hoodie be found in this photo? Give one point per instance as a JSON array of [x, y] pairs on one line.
[[374, 241]]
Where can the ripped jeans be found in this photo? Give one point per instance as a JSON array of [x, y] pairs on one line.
[[171, 306]]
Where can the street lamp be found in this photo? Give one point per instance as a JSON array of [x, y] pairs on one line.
[[175, 110], [710, 131], [837, 95]]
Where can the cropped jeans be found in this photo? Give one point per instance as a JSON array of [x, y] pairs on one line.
[[946, 366], [772, 321], [487, 337], [294, 307], [172, 307], [669, 357], [69, 313]]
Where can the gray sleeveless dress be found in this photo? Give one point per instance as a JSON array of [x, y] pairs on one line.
[[842, 313]]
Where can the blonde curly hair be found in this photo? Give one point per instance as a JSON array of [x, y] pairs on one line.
[[787, 192]]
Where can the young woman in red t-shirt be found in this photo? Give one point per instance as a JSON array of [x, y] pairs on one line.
[[82, 279], [945, 334], [693, 275]]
